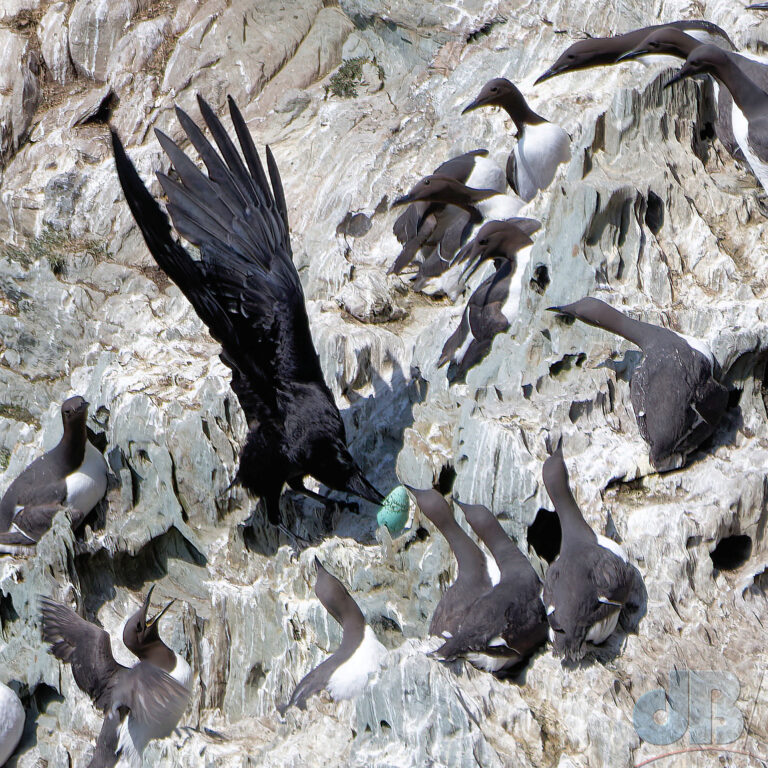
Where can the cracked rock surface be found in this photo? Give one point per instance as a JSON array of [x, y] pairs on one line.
[[651, 215]]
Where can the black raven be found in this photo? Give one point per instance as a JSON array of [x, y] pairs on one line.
[[246, 289]]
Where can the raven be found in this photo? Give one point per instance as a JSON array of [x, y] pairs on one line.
[[246, 289]]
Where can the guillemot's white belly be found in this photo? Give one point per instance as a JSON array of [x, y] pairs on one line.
[[87, 486], [741, 134], [11, 722], [350, 679]]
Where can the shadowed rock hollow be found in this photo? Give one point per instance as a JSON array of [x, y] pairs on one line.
[[649, 214]]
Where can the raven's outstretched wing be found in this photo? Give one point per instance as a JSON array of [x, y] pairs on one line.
[[245, 288]]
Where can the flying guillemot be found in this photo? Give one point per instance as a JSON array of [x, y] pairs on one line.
[[675, 393], [140, 703], [506, 625], [12, 719], [479, 204], [473, 578], [673, 43], [438, 230], [72, 475], [541, 146], [247, 291], [346, 673], [589, 582], [599, 51], [750, 103], [496, 300]]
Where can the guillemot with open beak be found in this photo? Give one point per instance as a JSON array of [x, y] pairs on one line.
[[473, 578], [140, 703]]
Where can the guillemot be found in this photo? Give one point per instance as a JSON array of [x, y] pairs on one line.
[[478, 204], [541, 146], [472, 580], [589, 582], [438, 230], [247, 291], [673, 43], [12, 719], [599, 51], [675, 393], [73, 475], [506, 625], [346, 673], [494, 303], [750, 103], [140, 703]]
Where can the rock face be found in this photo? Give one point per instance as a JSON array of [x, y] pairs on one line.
[[650, 215]]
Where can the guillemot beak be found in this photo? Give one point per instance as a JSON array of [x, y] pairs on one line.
[[681, 74], [758, 7], [633, 54], [551, 72], [472, 105], [404, 200], [151, 622], [145, 606]]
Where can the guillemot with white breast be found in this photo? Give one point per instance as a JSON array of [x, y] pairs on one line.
[[750, 103], [346, 673], [675, 392], [140, 703], [589, 582], [506, 625], [541, 145], [673, 43], [72, 475]]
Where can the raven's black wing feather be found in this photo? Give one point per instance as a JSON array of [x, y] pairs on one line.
[[245, 287]]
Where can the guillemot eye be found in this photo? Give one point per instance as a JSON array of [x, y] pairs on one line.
[[426, 182], [484, 241]]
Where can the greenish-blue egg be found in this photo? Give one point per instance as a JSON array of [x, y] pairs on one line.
[[394, 511]]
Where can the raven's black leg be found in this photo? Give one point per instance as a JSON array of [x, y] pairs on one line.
[[297, 485]]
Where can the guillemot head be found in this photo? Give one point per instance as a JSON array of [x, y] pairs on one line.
[[74, 410], [704, 60], [495, 93], [668, 41], [581, 55], [141, 632], [432, 504]]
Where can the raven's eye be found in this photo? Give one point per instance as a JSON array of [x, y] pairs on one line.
[[426, 182], [571, 57], [494, 89]]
